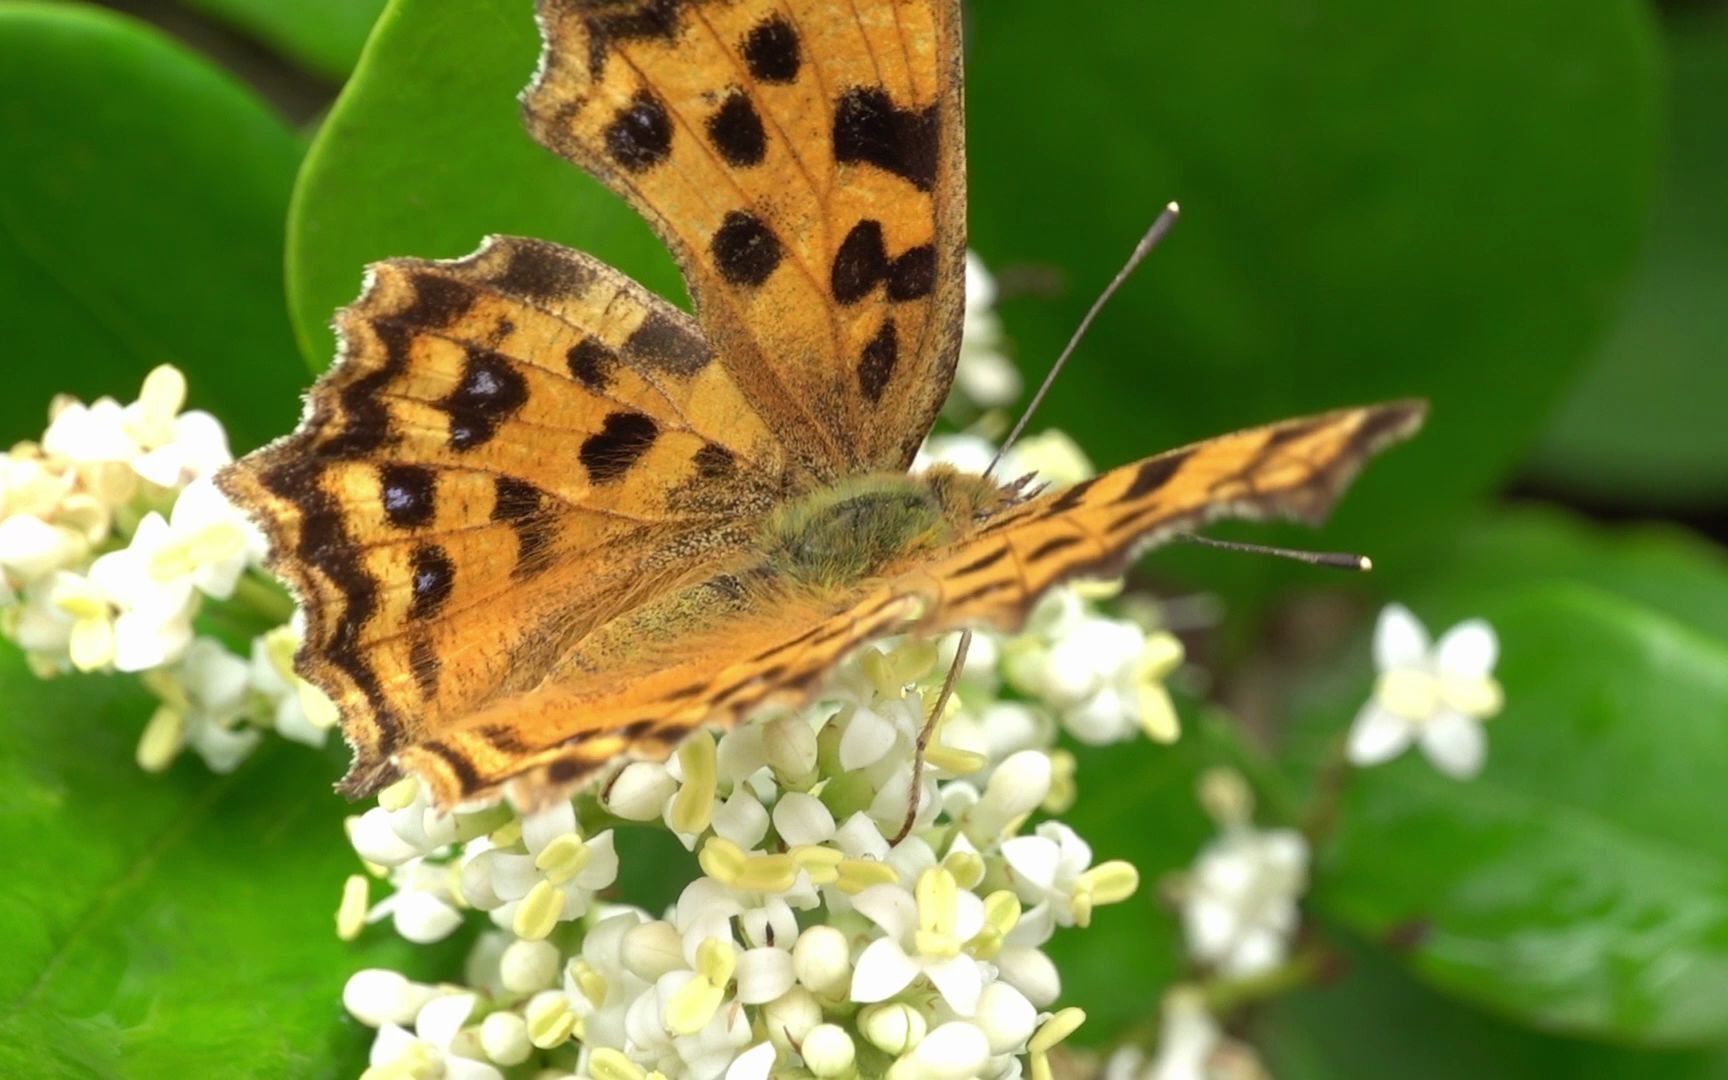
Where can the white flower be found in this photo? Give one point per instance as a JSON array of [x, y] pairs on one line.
[[299, 710], [923, 934], [1436, 696], [552, 882], [1191, 1046], [424, 906], [1053, 871], [984, 375], [1239, 899], [31, 549], [441, 1045], [91, 433], [376, 996], [956, 1050]]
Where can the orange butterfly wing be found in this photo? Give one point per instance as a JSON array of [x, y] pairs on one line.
[[804, 162], [774, 648], [512, 449]]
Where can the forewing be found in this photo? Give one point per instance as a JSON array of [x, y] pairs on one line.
[[510, 449], [775, 645], [803, 160], [772, 649], [1295, 469]]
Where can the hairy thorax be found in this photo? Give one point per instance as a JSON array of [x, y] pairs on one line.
[[864, 525], [811, 549]]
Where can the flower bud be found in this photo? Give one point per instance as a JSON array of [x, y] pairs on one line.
[[652, 949], [527, 966], [822, 959], [375, 997], [790, 1017], [828, 1051], [504, 1038], [789, 745], [893, 1028], [640, 792]]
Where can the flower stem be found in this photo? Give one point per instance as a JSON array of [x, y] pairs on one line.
[[263, 597], [1224, 996]]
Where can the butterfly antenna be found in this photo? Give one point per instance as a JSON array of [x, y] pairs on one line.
[[1336, 560], [1160, 227], [917, 790]]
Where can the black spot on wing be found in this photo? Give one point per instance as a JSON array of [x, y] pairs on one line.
[[714, 462], [983, 562], [736, 131], [913, 274], [1154, 474], [876, 365], [489, 392], [1073, 496], [1052, 546], [861, 262], [527, 510], [324, 545], [565, 770], [665, 344], [771, 51], [591, 362], [1387, 422], [640, 135], [438, 301], [746, 249], [541, 271], [627, 20], [870, 129], [431, 579], [466, 775], [424, 664], [409, 494], [609, 453], [1294, 430]]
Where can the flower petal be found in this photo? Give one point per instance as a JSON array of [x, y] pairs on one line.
[[1034, 860], [958, 980], [883, 970], [1377, 735], [1455, 743], [1399, 639], [890, 907], [1468, 650]]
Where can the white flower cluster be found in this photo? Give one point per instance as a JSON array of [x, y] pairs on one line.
[[868, 904], [811, 944], [984, 377], [113, 538]]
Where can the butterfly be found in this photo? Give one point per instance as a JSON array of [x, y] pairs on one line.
[[539, 518]]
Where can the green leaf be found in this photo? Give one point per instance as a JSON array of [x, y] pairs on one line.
[[1645, 424], [324, 35], [1676, 572], [1581, 883], [424, 154], [1379, 200], [1374, 1020], [140, 223], [177, 924]]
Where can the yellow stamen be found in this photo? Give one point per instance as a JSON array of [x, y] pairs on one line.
[[539, 911]]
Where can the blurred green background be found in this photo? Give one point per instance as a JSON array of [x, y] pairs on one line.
[[1515, 210]]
